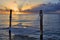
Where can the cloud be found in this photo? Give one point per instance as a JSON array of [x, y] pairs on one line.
[[17, 3], [47, 7]]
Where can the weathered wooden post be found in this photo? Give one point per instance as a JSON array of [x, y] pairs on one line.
[[41, 25], [10, 24]]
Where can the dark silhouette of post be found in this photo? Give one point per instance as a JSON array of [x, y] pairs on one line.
[[41, 25], [10, 24]]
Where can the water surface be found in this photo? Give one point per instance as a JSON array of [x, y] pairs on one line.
[[29, 24]]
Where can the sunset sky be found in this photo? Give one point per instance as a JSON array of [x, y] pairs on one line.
[[23, 4]]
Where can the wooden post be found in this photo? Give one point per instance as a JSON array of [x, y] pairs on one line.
[[10, 24], [41, 25]]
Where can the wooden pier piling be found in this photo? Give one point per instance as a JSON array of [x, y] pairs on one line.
[[41, 24], [10, 24]]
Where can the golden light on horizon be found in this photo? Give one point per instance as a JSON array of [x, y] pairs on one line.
[[15, 7]]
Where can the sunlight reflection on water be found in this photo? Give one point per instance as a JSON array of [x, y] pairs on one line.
[[27, 19]]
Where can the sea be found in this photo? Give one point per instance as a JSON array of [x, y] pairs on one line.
[[29, 25]]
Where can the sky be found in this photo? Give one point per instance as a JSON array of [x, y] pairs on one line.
[[23, 4]]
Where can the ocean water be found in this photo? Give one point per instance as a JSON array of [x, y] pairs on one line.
[[29, 25], [52, 27]]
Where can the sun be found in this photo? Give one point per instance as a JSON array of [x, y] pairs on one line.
[[12, 6]]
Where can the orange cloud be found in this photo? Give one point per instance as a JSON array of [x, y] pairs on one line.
[[26, 7]]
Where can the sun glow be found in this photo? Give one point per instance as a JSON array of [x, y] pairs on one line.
[[15, 7], [12, 6]]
